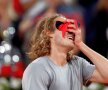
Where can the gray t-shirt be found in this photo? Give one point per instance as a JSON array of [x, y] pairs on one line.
[[43, 74]]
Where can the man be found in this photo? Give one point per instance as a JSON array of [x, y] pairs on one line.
[[55, 67]]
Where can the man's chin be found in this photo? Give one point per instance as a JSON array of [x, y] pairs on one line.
[[70, 47]]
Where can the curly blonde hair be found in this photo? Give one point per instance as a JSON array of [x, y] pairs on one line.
[[40, 44]]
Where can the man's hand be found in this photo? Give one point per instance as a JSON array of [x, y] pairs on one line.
[[76, 30]]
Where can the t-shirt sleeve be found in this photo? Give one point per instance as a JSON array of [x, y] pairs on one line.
[[35, 78], [87, 70]]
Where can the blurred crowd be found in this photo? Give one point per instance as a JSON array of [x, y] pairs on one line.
[[18, 19]]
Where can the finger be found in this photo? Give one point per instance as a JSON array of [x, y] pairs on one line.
[[71, 26], [72, 30], [79, 29], [70, 20]]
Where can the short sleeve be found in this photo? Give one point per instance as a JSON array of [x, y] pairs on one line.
[[35, 78], [87, 70]]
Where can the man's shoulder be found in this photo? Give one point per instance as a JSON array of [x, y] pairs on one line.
[[40, 60], [77, 60], [37, 64], [36, 69]]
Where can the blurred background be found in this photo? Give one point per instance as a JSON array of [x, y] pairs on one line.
[[18, 19]]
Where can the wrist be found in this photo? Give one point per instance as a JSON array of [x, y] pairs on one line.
[[79, 44]]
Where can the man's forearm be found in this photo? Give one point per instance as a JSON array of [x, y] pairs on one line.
[[99, 61]]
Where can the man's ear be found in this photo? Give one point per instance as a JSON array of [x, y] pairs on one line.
[[50, 34]]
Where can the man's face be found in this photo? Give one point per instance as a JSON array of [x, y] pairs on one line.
[[66, 41]]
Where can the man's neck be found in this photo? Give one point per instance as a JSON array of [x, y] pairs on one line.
[[58, 57]]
